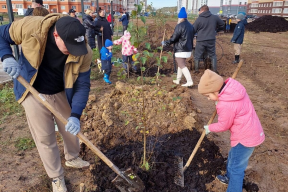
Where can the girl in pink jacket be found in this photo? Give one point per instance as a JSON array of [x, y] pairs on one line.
[[127, 50], [236, 114]]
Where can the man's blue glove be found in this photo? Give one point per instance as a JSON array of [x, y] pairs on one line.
[[206, 127], [73, 125], [163, 43], [11, 67]]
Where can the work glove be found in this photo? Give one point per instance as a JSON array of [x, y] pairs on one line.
[[11, 67], [206, 127], [163, 43], [73, 125]]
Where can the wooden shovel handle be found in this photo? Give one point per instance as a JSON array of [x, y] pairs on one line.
[[84, 139], [210, 121]]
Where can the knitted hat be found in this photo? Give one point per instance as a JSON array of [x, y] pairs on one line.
[[210, 82], [182, 14], [108, 43], [240, 16]]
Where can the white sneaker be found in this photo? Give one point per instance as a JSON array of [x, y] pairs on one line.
[[77, 163], [58, 184], [188, 84], [177, 82]]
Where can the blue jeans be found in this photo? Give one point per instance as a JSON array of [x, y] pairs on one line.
[[128, 59], [236, 164], [227, 27]]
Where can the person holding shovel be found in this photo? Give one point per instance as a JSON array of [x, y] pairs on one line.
[[55, 60], [236, 114], [182, 39]]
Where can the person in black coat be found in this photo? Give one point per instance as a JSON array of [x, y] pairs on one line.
[[104, 27], [35, 3], [90, 27], [182, 39], [206, 26]]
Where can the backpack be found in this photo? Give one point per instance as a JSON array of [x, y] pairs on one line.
[[127, 15]]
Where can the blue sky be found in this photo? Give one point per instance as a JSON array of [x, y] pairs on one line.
[[162, 3]]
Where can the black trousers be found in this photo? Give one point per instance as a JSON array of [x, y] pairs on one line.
[[124, 28], [209, 46]]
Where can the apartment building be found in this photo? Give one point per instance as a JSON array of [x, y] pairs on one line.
[[60, 6], [268, 7]]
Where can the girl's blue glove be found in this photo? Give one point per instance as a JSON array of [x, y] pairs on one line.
[[206, 127]]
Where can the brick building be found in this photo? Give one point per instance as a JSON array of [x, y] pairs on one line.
[[268, 7], [60, 6]]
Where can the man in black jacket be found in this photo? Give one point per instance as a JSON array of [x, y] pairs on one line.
[[206, 26], [35, 3]]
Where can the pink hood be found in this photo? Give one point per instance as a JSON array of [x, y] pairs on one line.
[[127, 48], [237, 114]]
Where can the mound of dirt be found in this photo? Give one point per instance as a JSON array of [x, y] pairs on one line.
[[268, 23], [165, 112]]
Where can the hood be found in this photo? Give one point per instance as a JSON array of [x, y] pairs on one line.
[[233, 91], [87, 17], [205, 14], [244, 22], [127, 35]]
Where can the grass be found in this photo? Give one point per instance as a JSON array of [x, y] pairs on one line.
[[23, 144], [9, 104]]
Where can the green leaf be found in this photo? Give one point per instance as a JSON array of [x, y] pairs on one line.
[[142, 31], [143, 19], [157, 74], [160, 48], [151, 55], [163, 75], [133, 40], [137, 55], [143, 60], [148, 46], [139, 8], [165, 59], [158, 60], [126, 122], [147, 166], [134, 13], [143, 68], [136, 44], [138, 78], [146, 53], [170, 53]]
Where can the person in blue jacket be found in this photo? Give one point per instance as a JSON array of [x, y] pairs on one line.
[[238, 36], [124, 21], [106, 55]]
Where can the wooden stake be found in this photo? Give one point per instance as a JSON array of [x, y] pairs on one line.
[[82, 187], [160, 55]]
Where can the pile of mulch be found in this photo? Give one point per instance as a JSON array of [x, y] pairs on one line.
[[268, 23]]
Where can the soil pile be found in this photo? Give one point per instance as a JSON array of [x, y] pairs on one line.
[[115, 117], [268, 23]]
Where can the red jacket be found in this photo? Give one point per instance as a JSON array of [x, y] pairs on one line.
[[109, 18]]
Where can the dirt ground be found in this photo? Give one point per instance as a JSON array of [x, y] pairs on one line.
[[264, 75]]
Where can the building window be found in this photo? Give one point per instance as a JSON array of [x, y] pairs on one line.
[[3, 6], [19, 6], [86, 7], [61, 0], [240, 3], [276, 10], [62, 7], [245, 3], [278, 4], [46, 6], [285, 10], [73, 7], [73, 0], [286, 3]]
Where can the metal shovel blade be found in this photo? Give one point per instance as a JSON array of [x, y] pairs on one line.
[[179, 175], [129, 182]]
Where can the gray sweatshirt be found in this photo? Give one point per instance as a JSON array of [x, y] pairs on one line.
[[207, 25]]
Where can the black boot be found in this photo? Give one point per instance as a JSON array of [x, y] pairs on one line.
[[237, 57], [196, 64], [214, 65]]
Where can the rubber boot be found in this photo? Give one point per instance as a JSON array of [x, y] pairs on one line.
[[179, 76], [196, 63], [188, 77], [237, 57], [106, 78], [214, 65]]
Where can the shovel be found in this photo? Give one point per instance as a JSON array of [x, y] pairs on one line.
[[126, 181], [179, 177]]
